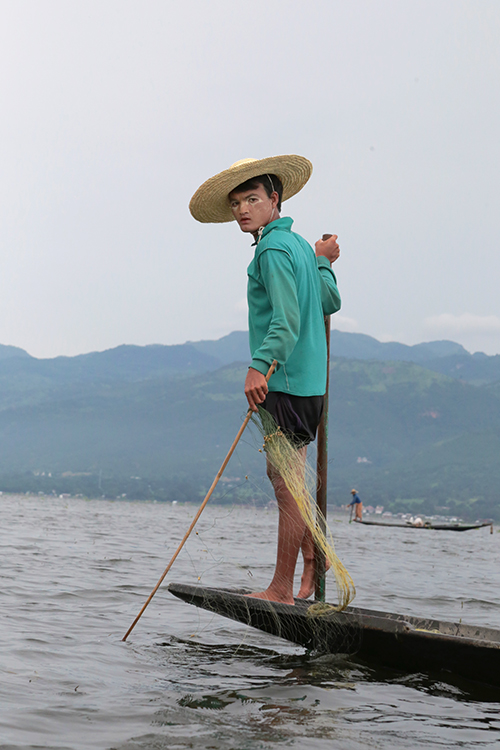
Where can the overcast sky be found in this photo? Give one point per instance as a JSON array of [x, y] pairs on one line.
[[114, 112]]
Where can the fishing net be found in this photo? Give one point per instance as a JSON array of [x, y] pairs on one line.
[[319, 627], [300, 479]]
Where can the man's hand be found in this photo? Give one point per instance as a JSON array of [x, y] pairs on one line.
[[255, 388], [328, 247]]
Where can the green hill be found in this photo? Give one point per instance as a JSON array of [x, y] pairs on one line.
[[409, 438], [405, 436], [28, 380]]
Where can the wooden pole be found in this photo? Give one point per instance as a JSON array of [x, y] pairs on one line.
[[200, 510], [322, 477], [322, 473]]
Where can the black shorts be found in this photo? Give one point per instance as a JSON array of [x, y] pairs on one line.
[[298, 416]]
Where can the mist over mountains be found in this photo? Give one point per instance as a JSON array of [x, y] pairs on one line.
[[414, 427]]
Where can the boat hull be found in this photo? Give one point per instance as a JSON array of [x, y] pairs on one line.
[[434, 527], [398, 641]]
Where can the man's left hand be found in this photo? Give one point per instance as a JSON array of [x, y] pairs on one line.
[[328, 248], [255, 388]]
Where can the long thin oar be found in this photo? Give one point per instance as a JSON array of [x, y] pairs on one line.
[[195, 519]]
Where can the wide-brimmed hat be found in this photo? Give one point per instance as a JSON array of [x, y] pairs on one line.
[[210, 203]]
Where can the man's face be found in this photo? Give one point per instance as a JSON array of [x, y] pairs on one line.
[[253, 208]]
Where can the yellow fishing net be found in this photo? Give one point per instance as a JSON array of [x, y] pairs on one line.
[[300, 480]]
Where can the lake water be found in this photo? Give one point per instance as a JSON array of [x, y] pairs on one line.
[[76, 572]]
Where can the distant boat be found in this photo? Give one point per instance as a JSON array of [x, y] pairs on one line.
[[398, 641], [429, 525]]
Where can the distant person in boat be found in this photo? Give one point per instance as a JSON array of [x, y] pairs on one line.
[[290, 289], [358, 506]]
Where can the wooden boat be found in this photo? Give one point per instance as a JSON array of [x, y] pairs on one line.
[[398, 641], [435, 526]]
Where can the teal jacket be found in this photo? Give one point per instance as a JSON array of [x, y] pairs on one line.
[[289, 292]]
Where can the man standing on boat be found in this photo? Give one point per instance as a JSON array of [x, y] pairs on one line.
[[290, 289], [358, 506]]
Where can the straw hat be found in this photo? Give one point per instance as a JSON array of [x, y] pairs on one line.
[[353, 492], [210, 203]]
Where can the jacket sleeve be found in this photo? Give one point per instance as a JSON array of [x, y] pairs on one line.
[[279, 280], [330, 296]]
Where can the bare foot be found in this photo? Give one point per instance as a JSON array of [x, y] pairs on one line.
[[307, 582], [273, 595]]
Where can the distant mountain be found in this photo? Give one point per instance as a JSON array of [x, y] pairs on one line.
[[410, 426], [234, 348], [151, 428], [478, 368], [401, 434], [136, 363], [410, 438], [445, 357], [28, 380], [7, 352], [361, 346], [231, 348]]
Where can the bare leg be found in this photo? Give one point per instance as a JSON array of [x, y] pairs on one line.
[[291, 529], [308, 580]]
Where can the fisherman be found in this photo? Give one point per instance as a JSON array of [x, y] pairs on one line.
[[358, 506], [290, 289]]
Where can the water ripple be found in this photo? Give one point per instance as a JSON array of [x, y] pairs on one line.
[[75, 573]]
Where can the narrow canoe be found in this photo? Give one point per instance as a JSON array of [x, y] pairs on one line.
[[398, 641], [435, 526]]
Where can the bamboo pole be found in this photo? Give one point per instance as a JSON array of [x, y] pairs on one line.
[[200, 510]]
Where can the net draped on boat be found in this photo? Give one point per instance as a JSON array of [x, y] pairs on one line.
[[300, 480]]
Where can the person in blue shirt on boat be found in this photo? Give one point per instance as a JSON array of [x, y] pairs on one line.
[[290, 289], [358, 506]]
